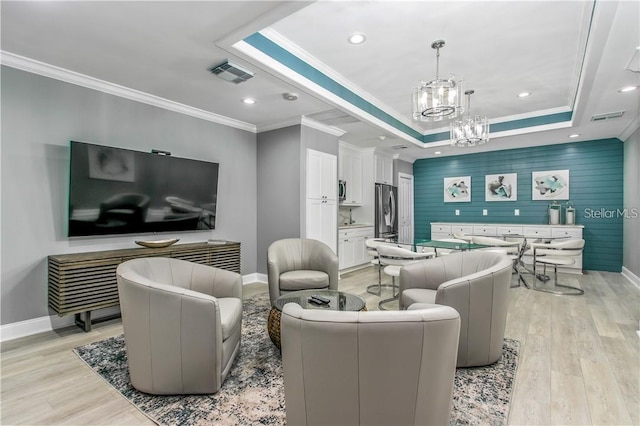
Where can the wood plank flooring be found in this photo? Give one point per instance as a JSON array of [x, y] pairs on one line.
[[579, 360]]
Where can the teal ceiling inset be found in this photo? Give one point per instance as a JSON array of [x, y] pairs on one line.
[[510, 125], [302, 68]]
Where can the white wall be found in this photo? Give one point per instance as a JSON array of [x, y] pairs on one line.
[[631, 230], [39, 118]]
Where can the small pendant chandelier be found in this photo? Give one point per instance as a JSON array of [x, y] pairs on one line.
[[469, 130], [437, 99]]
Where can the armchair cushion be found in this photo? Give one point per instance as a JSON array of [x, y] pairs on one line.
[[295, 280], [294, 259]]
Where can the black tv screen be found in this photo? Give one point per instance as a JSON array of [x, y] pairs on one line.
[[121, 191]]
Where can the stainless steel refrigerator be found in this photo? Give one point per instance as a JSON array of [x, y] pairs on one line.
[[386, 211]]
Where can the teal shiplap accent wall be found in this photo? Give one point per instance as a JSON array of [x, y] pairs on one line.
[[595, 188]]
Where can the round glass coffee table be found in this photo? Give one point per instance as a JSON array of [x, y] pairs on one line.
[[339, 301]]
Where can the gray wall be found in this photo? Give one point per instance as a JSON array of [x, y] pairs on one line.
[[39, 118], [401, 166], [278, 189], [631, 224], [282, 174]]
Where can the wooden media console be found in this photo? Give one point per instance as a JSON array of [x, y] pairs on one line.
[[83, 282]]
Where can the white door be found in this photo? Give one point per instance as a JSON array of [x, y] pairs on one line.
[[405, 207]]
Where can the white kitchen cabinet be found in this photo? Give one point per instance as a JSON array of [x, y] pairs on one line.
[[351, 172], [352, 249], [347, 251], [354, 188], [489, 231], [321, 220], [457, 229], [383, 169], [440, 231], [360, 251], [322, 169], [510, 230]]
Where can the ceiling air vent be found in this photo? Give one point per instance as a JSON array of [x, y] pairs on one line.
[[401, 146], [607, 116], [231, 72]]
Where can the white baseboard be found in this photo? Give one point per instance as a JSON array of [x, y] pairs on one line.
[[631, 276], [29, 327], [354, 268], [254, 278], [43, 324]]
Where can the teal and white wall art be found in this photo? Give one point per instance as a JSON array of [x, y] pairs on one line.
[[501, 187], [550, 185], [457, 189]]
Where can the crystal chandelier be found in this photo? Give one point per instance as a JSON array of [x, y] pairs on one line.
[[469, 130], [437, 99]]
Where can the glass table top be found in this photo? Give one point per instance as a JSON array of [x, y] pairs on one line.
[[339, 301], [467, 245], [439, 244]]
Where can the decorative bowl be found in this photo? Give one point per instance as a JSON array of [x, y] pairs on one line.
[[158, 243]]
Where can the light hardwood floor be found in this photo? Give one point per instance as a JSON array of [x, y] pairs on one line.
[[579, 361]]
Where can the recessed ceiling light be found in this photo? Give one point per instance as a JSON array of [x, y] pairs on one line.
[[382, 137], [524, 94], [628, 89], [574, 135], [437, 153], [357, 38], [290, 96], [249, 101]]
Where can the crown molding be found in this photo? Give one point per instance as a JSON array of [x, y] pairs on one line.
[[332, 130], [628, 131], [303, 121], [294, 121], [57, 73]]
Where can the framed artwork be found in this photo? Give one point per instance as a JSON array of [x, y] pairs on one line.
[[111, 164], [457, 189], [501, 187], [550, 185]]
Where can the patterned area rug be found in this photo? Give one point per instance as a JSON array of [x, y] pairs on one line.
[[253, 393]]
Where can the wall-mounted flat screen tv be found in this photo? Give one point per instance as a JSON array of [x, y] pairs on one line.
[[121, 191]]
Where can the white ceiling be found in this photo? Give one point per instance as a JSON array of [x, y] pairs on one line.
[[571, 55]]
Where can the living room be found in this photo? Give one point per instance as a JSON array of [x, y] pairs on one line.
[[41, 114]]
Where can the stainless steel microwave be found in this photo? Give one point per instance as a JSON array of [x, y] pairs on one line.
[[342, 190]]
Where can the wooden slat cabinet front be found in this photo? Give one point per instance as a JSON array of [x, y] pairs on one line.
[[83, 282]]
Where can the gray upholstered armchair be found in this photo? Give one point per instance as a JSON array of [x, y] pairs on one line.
[[475, 283], [369, 368], [300, 264], [182, 324]]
